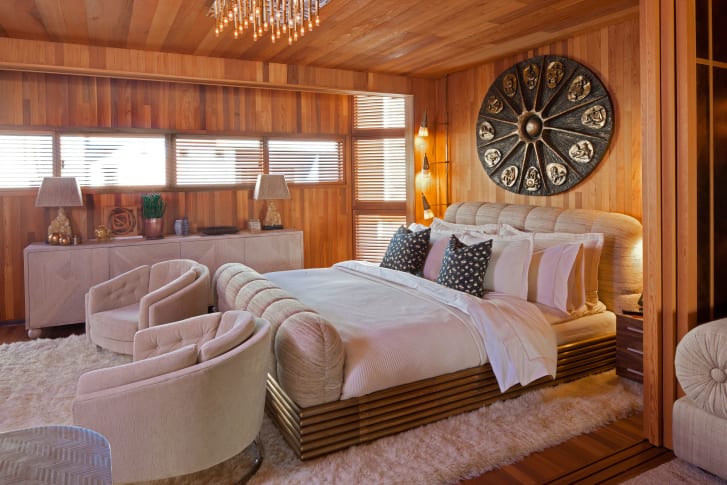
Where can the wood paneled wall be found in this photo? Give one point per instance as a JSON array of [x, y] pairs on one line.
[[36, 101], [612, 52]]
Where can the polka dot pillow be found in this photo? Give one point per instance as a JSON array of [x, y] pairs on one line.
[[407, 251], [464, 267]]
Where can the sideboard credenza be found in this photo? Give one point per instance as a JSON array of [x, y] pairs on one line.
[[58, 277]]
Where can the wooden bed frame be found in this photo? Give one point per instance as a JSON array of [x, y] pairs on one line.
[[319, 429], [325, 428]]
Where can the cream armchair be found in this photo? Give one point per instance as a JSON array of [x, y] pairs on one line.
[[143, 297], [699, 419], [193, 397]]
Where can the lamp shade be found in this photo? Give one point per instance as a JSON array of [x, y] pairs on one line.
[[428, 213], [423, 128], [271, 187], [59, 192]]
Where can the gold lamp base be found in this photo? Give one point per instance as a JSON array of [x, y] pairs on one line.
[[272, 219]]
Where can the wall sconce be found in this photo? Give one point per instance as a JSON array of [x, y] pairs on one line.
[[425, 166], [428, 213], [423, 129]]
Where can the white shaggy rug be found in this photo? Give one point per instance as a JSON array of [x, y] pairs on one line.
[[38, 381], [675, 471]]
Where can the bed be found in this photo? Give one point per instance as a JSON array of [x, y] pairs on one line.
[[353, 359]]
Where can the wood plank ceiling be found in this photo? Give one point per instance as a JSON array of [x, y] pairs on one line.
[[419, 38]]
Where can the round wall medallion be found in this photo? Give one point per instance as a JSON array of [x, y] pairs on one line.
[[543, 126]]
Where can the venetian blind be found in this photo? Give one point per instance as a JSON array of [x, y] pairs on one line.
[[379, 173], [25, 160], [376, 112], [373, 233], [306, 161], [218, 161], [380, 169], [107, 160]]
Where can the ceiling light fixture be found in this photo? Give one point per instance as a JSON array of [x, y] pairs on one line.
[[279, 17]]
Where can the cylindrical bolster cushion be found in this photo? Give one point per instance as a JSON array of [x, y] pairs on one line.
[[310, 359], [701, 366]]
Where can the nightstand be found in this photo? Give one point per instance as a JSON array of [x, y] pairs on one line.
[[630, 346]]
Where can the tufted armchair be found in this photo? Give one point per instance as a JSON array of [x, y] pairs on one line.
[[143, 297], [193, 397], [700, 418]]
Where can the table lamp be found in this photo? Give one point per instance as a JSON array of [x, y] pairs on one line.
[[59, 192], [270, 188]]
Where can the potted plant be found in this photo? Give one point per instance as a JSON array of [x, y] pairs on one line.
[[152, 210]]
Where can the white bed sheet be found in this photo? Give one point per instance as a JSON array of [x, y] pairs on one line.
[[398, 328]]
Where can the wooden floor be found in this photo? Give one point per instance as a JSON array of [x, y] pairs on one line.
[[608, 455]]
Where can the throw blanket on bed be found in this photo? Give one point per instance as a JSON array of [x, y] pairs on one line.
[[399, 328]]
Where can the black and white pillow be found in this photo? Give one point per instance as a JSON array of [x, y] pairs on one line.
[[464, 267], [407, 250]]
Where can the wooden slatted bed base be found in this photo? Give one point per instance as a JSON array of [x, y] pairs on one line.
[[325, 428]]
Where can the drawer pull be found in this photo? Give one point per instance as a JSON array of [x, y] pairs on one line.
[[635, 351], [634, 371], [634, 329]]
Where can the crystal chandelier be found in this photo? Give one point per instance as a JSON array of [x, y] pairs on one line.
[[280, 18]]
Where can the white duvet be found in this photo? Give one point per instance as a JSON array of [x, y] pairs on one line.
[[399, 328]]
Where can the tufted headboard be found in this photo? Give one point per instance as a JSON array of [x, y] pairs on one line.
[[620, 272]]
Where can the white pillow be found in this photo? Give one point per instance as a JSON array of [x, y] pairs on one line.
[[439, 225], [555, 277], [509, 263], [416, 227], [592, 247], [433, 263]]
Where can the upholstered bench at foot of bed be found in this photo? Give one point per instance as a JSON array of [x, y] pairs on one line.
[[308, 353]]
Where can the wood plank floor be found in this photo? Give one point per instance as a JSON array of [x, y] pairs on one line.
[[608, 455]]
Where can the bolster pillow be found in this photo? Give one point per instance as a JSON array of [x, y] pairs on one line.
[[701, 366], [310, 359], [307, 350]]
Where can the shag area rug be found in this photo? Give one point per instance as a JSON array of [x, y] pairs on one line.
[[38, 381], [675, 471]]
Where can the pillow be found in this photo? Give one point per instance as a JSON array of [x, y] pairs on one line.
[[509, 263], [416, 227], [140, 370], [464, 267], [442, 226], [433, 262], [592, 247], [556, 277], [407, 250]]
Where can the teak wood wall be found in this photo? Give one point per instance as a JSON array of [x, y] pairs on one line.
[[38, 101], [612, 52]]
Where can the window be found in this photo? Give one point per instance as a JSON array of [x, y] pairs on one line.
[[218, 161], [373, 233], [380, 169], [25, 160], [104, 160], [376, 112], [379, 172], [306, 161]]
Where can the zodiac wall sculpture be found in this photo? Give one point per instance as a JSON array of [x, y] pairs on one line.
[[543, 126]]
